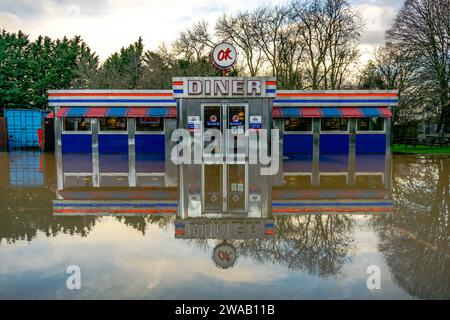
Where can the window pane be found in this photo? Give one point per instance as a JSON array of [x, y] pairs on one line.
[[334, 124], [364, 124], [77, 124], [377, 124], [371, 124], [298, 124], [150, 124], [113, 124]]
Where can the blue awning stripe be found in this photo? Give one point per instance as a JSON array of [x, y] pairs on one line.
[[331, 113], [371, 112], [76, 112], [117, 112], [291, 112], [157, 112]]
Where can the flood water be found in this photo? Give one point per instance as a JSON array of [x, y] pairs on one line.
[[297, 235]]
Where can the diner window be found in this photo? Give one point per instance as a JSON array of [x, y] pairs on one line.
[[371, 124], [298, 124], [334, 124], [77, 124], [150, 124], [113, 124]]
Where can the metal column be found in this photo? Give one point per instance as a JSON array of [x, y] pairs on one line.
[[131, 123], [95, 154], [58, 154], [316, 153], [352, 153]]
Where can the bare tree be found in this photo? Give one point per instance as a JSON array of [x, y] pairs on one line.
[[268, 24], [330, 30], [194, 43], [393, 68], [239, 30], [422, 27]]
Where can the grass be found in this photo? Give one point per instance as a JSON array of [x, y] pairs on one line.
[[420, 149]]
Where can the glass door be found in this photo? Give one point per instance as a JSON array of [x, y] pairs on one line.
[[237, 125], [211, 121]]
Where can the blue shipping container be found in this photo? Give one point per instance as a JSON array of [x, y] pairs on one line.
[[22, 127]]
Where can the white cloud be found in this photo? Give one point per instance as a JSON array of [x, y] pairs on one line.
[[108, 25], [116, 23]]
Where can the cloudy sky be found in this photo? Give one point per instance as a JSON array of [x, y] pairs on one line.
[[108, 25]]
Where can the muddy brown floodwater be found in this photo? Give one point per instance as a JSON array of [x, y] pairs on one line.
[[313, 231]]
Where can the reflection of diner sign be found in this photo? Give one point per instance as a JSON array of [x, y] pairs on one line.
[[224, 55], [226, 229], [224, 255]]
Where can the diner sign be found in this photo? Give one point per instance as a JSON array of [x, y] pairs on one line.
[[224, 87]]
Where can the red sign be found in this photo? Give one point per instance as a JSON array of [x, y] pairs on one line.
[[150, 120]]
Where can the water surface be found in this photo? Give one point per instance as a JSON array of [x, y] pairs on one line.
[[315, 240]]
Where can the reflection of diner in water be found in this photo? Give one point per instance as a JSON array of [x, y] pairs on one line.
[[301, 240], [242, 211]]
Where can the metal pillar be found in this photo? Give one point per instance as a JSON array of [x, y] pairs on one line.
[[352, 153], [131, 124], [58, 154], [95, 153], [315, 181]]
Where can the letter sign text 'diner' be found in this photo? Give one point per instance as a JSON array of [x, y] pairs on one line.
[[224, 55]]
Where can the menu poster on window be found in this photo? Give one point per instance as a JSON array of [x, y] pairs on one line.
[[193, 122], [255, 122], [150, 120]]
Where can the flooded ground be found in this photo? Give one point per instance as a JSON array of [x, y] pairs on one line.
[[314, 231]]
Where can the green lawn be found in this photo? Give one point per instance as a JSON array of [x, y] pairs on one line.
[[400, 148]]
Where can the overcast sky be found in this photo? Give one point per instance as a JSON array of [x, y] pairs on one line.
[[108, 25]]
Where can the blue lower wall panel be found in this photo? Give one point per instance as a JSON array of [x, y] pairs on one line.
[[295, 146], [150, 145], [334, 143], [370, 143], [76, 143], [113, 143]]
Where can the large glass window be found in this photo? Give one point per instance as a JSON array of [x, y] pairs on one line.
[[298, 124], [77, 124], [334, 124], [113, 124], [371, 124], [150, 124]]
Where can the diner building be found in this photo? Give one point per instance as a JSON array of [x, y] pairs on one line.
[[106, 133]]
